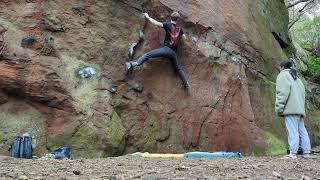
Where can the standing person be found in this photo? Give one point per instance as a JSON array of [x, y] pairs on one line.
[[290, 104], [172, 37]]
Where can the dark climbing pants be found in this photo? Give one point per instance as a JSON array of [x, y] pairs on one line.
[[167, 53]]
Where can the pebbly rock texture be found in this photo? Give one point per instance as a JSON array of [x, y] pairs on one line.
[[230, 56], [127, 167]]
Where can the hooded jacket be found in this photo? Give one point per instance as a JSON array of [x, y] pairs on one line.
[[290, 95]]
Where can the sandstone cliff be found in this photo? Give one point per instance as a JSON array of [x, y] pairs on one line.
[[230, 57]]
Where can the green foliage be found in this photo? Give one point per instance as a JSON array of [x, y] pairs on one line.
[[307, 33], [314, 64]]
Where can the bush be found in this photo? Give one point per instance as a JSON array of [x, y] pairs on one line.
[[314, 66]]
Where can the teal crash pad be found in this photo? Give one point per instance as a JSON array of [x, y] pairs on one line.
[[208, 155]]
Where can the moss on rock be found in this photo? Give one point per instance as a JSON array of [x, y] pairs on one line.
[[263, 94], [85, 144], [272, 16], [276, 125], [150, 132], [315, 120], [51, 143], [3, 139], [117, 101], [115, 130], [84, 91], [99, 137], [276, 13], [275, 146]]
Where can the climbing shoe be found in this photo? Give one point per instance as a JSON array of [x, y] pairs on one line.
[[186, 85], [129, 66]]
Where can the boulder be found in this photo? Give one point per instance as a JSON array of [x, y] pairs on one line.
[[229, 56]]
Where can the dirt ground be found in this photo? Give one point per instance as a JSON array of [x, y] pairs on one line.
[[128, 167]]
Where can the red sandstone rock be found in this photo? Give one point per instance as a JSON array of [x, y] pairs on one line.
[[227, 40]]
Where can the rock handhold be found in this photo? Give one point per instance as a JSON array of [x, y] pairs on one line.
[[236, 59], [131, 50], [209, 50], [134, 45], [54, 24], [194, 39], [141, 35], [87, 72], [27, 41], [136, 85]]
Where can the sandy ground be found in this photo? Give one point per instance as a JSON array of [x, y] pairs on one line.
[[128, 167]]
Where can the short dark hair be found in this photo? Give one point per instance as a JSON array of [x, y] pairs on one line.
[[175, 16], [286, 64]]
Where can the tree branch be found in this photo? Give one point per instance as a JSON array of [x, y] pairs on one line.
[[301, 12], [297, 2], [305, 6]]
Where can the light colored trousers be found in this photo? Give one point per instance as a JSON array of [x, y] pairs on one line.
[[297, 134]]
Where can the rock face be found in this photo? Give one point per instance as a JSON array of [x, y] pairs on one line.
[[230, 55]]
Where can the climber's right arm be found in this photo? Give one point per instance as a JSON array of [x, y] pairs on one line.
[[153, 21]]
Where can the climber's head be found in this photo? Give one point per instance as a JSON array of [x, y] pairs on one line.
[[175, 16]]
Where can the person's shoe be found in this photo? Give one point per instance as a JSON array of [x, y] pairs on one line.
[[309, 156], [129, 67], [186, 85], [290, 156]]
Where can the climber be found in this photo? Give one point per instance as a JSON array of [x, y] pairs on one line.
[[290, 104], [173, 34]]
